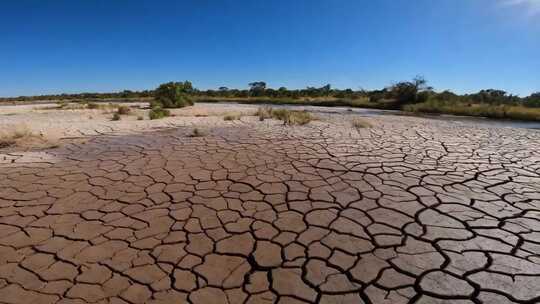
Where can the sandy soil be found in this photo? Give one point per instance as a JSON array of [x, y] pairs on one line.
[[84, 122], [410, 210]]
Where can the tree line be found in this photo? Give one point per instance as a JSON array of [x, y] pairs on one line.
[[397, 94]]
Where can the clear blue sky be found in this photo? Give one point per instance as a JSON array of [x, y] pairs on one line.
[[110, 45]]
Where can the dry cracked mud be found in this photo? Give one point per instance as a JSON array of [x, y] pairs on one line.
[[409, 211]]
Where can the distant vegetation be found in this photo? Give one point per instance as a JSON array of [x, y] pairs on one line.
[[413, 96], [112, 97]]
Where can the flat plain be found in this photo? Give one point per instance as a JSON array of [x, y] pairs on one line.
[[403, 210]]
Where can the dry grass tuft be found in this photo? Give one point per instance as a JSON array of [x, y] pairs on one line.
[[21, 136], [232, 116], [358, 123], [289, 117], [197, 133], [64, 105], [116, 117], [82, 105], [123, 110], [93, 106], [264, 113]]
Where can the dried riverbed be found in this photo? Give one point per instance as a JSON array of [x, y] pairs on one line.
[[411, 210]]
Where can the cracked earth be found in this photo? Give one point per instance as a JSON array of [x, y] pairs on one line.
[[409, 211]]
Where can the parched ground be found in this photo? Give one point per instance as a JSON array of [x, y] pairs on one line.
[[409, 211]]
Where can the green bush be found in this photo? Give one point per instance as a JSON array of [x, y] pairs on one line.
[[173, 95], [157, 113], [116, 116]]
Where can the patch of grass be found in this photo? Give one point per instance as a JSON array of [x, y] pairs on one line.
[[523, 113], [289, 117], [106, 107], [358, 123], [123, 110], [280, 114], [140, 117], [116, 117], [62, 104], [229, 117], [363, 102], [298, 118], [264, 113], [478, 110], [158, 113]]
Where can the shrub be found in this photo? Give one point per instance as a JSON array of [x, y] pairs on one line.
[[116, 116], [140, 117], [173, 95], [123, 110], [157, 113]]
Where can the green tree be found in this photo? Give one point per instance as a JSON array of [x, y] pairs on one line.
[[257, 88], [174, 95], [410, 91], [533, 100]]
